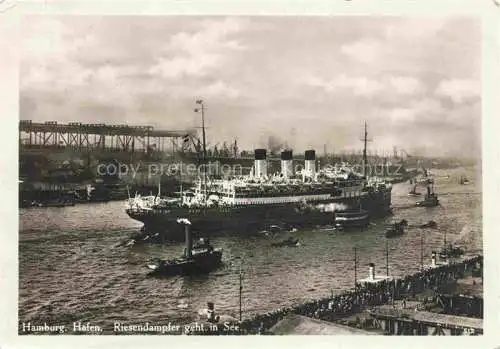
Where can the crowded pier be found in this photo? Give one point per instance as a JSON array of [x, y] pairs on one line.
[[367, 295]]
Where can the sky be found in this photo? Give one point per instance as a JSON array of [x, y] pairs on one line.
[[310, 81]]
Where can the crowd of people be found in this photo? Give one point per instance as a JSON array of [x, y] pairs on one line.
[[367, 295]]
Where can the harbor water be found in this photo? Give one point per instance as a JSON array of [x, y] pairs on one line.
[[74, 267]]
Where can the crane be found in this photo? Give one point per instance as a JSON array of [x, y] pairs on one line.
[[406, 153]]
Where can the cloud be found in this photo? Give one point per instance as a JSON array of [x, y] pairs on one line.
[[47, 41], [212, 35], [220, 89], [368, 87], [402, 114], [459, 90], [361, 86], [180, 66], [322, 76], [201, 50], [416, 111], [427, 47], [405, 85], [414, 29], [364, 51]]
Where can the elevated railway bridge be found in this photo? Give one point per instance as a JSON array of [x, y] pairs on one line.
[[87, 137]]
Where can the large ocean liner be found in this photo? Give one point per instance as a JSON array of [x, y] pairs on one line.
[[303, 197]]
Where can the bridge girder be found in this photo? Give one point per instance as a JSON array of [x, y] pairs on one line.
[[96, 136]]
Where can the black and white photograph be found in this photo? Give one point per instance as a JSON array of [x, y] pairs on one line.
[[250, 175]]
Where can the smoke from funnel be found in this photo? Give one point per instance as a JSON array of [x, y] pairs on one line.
[[275, 144], [335, 207]]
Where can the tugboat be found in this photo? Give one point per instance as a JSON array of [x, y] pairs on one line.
[[355, 218], [197, 259], [464, 180], [397, 229], [290, 242], [429, 224], [430, 199], [450, 251], [209, 322]]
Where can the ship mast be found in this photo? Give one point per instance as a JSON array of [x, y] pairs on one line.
[[365, 144], [204, 153]]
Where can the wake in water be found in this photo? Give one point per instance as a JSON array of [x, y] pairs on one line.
[[470, 236]]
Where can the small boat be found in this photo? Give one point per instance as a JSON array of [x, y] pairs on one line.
[[397, 229], [450, 251], [197, 259], [356, 218], [290, 242], [202, 259], [25, 203], [62, 204], [429, 224], [275, 228], [430, 199], [56, 203], [464, 180], [208, 322]]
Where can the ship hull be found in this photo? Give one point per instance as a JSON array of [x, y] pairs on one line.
[[199, 265], [251, 218], [352, 219]]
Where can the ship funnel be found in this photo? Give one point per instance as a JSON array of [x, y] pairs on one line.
[[189, 241], [310, 162], [260, 163], [287, 163], [211, 317], [371, 271], [433, 259]]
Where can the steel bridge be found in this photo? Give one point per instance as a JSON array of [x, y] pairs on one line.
[[86, 137]]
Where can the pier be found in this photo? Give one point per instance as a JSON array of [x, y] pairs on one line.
[[410, 322], [302, 325], [372, 305]]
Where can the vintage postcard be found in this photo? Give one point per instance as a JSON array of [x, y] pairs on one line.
[[242, 174]]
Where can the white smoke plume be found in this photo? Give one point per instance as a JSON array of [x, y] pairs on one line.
[[335, 207], [470, 236], [183, 221]]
